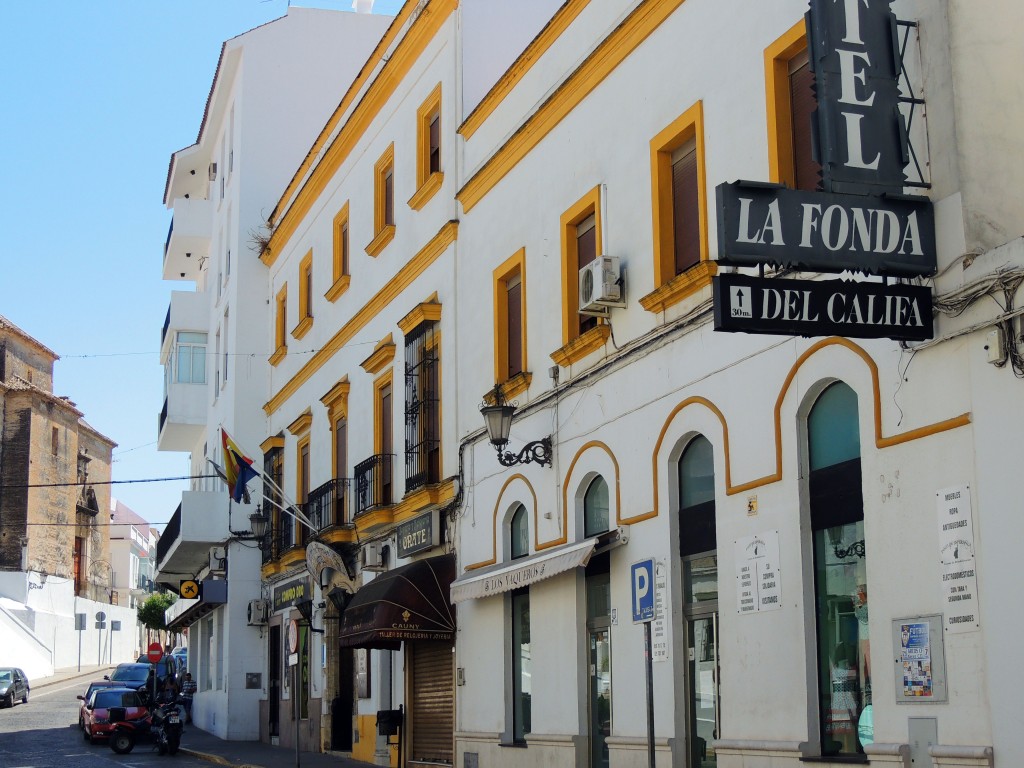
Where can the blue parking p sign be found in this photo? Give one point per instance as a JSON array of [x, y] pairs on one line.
[[642, 578]]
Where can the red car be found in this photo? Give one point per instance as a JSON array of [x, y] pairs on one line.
[[93, 686], [96, 718]]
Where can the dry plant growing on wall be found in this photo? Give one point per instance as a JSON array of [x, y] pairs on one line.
[[259, 237]]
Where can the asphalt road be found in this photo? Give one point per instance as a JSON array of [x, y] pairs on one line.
[[44, 734]]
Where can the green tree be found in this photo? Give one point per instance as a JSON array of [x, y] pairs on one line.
[[151, 612]]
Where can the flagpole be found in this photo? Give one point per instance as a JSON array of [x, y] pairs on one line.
[[293, 511]]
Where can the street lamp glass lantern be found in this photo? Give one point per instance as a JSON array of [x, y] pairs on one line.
[[259, 523], [498, 419]]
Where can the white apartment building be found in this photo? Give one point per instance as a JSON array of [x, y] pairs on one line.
[[273, 89]]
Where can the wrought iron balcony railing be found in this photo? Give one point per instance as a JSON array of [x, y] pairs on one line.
[[374, 483]]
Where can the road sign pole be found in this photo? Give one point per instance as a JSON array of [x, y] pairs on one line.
[[650, 694]]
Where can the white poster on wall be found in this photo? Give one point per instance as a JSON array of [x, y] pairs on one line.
[[758, 582], [956, 553], [660, 637]]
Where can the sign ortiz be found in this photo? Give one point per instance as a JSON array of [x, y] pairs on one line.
[[826, 308]]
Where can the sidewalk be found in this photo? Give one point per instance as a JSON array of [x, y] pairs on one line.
[[256, 754], [87, 674]]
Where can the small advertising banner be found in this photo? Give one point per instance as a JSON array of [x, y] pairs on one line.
[[916, 657], [758, 586], [660, 637], [956, 553]]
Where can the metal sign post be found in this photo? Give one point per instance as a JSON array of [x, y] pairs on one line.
[[293, 662], [644, 611]]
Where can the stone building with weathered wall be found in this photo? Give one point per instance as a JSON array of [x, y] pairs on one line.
[[46, 527]]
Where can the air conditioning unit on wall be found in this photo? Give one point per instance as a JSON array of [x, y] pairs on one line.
[[259, 612], [371, 557], [601, 286]]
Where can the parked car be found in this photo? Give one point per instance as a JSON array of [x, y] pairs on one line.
[[132, 676], [96, 717], [95, 685], [166, 666], [13, 686]]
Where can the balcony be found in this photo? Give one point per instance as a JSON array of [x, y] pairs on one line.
[[374, 490], [183, 417], [327, 506], [200, 522], [188, 238], [187, 311]]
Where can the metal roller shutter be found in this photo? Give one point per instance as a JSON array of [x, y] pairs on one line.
[[433, 702]]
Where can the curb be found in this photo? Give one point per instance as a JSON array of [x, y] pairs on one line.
[[211, 758], [49, 681]]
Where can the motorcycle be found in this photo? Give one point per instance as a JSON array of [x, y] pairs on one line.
[[162, 726]]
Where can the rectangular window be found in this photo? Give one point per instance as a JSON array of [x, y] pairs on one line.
[[190, 358], [581, 243], [217, 373], [273, 469], [54, 440], [679, 207], [514, 317], [340, 260], [428, 149], [521, 666], [302, 482], [340, 469], [384, 438], [305, 296], [280, 326], [226, 337], [791, 104], [422, 406], [383, 202]]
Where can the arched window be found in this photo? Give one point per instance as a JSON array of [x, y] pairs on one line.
[[519, 528], [595, 507], [697, 498], [840, 572]]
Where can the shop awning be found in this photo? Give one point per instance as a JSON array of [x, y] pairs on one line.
[[496, 579], [410, 602], [185, 613]]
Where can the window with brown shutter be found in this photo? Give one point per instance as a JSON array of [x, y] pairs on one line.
[[685, 208], [435, 144], [514, 324], [389, 198], [807, 171], [586, 252]]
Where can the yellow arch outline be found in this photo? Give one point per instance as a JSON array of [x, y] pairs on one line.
[[494, 526], [565, 492]]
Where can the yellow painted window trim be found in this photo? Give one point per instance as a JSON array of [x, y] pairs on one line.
[[430, 107], [779, 107], [303, 327], [426, 312], [301, 424], [678, 288], [512, 266], [385, 163], [589, 204], [278, 356], [427, 190], [689, 126], [379, 243], [305, 299], [511, 387], [340, 219], [272, 442], [340, 286], [382, 355], [581, 346], [336, 400], [403, 279], [281, 320]]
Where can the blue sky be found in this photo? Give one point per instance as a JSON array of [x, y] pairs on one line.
[[96, 97]]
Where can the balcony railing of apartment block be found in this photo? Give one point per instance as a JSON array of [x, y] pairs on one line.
[[169, 536], [374, 483], [327, 506], [163, 417]]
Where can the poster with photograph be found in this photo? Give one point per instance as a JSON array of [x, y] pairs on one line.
[[915, 655]]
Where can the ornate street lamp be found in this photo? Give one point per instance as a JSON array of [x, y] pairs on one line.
[[498, 419]]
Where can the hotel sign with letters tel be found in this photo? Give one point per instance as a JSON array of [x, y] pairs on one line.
[[859, 220]]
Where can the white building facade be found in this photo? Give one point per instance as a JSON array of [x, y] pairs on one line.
[[776, 482], [269, 97]]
